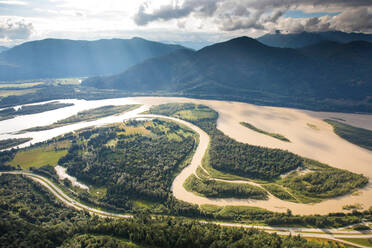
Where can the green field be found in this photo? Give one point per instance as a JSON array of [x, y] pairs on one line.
[[39, 156], [358, 136], [359, 241], [218, 189], [274, 135], [279, 192], [21, 85]]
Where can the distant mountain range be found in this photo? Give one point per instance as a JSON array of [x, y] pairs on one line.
[[307, 39], [243, 67], [51, 58]]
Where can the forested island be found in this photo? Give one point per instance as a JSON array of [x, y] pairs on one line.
[[8, 143], [274, 135], [358, 136], [9, 113]]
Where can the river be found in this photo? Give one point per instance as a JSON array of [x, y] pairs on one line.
[[310, 137]]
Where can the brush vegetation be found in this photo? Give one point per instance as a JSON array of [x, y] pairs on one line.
[[274, 135]]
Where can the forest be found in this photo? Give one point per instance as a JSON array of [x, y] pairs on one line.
[[136, 160], [32, 217]]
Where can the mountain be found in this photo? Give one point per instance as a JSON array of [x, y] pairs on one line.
[[3, 48], [65, 58], [243, 68], [307, 39], [195, 45]]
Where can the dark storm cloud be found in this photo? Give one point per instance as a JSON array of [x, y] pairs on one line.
[[168, 12], [15, 30], [232, 15]]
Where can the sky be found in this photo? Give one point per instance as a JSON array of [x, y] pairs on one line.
[[194, 21]]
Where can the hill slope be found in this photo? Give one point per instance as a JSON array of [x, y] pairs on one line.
[[306, 39], [64, 58], [245, 68]]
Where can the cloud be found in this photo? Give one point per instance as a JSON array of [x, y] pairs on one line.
[[352, 20], [15, 30], [13, 2], [175, 11], [267, 15]]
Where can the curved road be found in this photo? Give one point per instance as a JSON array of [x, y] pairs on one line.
[[333, 234]]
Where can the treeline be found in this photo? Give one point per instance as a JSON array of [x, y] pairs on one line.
[[31, 217], [7, 143], [358, 136], [212, 188]]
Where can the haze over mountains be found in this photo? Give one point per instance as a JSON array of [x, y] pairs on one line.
[[239, 69], [244, 66], [51, 58], [304, 39]]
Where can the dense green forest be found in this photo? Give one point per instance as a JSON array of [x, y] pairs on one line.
[[32, 217], [254, 162], [135, 160], [358, 136]]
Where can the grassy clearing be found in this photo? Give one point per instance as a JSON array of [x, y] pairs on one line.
[[358, 136], [21, 85], [39, 156], [312, 126], [5, 93], [274, 135], [359, 241], [279, 192], [65, 81], [232, 212], [201, 173], [193, 115], [328, 241], [217, 189]]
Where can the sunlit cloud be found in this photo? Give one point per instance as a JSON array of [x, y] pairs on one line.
[[11, 2], [93, 19]]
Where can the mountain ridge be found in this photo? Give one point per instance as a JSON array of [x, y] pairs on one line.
[[243, 66], [303, 39], [63, 57]]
